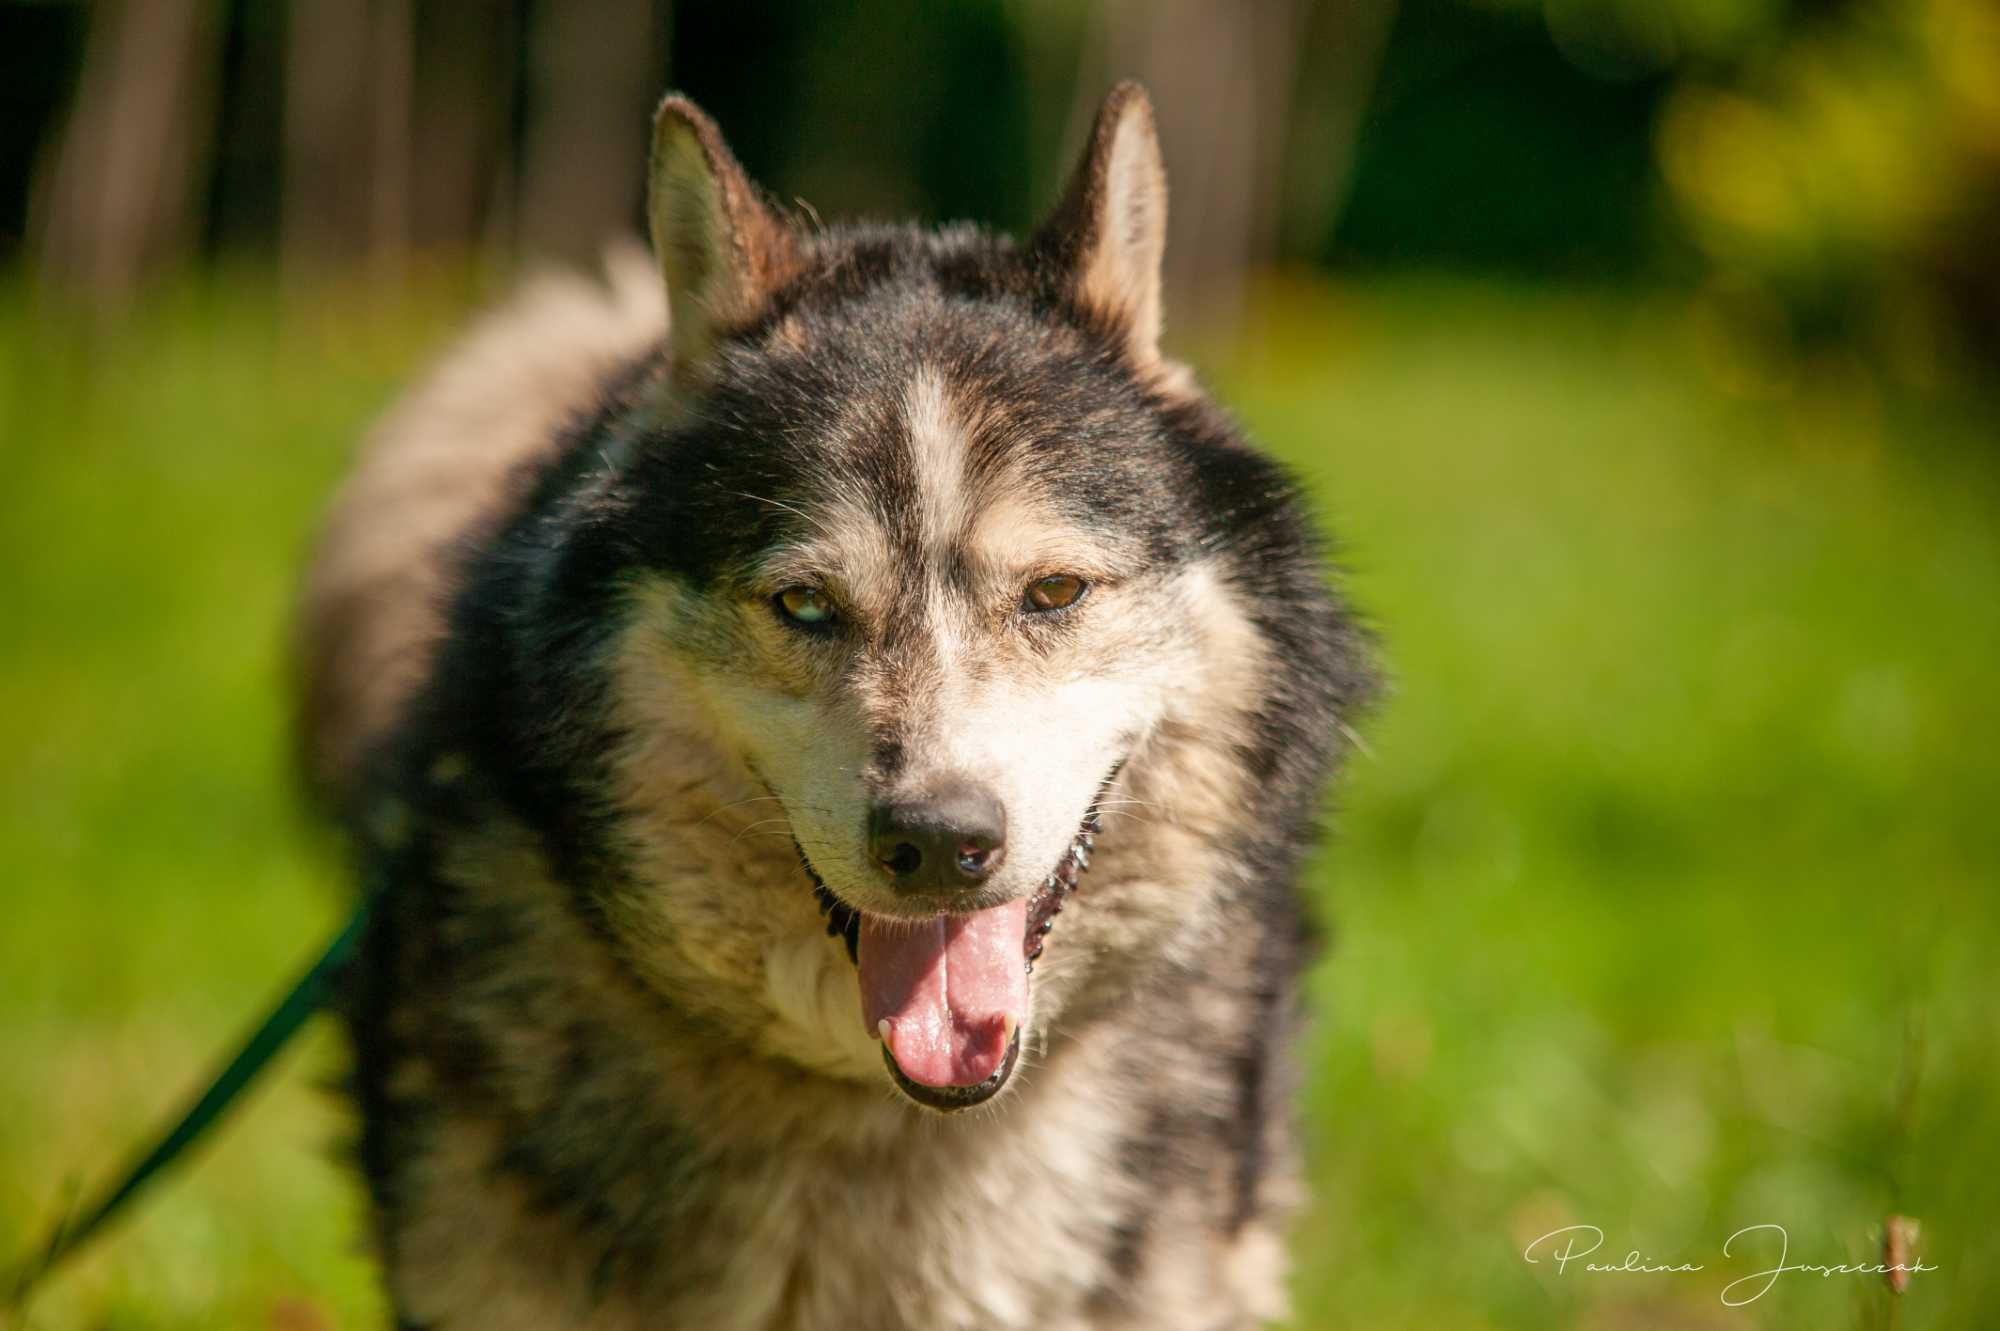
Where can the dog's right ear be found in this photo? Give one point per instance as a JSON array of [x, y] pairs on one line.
[[1106, 238], [720, 250]]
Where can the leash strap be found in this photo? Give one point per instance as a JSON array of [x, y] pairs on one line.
[[305, 998]]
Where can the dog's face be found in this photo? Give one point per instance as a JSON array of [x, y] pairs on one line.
[[927, 540], [941, 654], [936, 659]]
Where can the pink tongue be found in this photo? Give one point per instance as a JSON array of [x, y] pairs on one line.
[[949, 987]]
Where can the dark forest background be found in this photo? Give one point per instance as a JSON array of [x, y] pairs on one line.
[[1830, 169]]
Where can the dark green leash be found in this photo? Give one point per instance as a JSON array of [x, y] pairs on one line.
[[305, 998]]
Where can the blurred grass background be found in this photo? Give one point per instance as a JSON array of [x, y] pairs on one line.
[[1639, 354]]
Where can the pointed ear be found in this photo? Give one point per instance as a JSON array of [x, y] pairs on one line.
[[720, 250], [1106, 238]]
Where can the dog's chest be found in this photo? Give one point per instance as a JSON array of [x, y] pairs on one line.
[[941, 1238], [1005, 1222]]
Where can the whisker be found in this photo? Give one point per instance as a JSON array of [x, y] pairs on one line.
[[797, 512], [790, 805], [762, 822], [754, 799]]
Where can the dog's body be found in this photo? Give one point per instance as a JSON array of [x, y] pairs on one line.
[[649, 676]]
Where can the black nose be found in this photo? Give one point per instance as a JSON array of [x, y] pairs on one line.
[[951, 837]]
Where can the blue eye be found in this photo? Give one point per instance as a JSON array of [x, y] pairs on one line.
[[807, 606]]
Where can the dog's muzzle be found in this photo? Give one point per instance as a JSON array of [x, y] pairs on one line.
[[948, 994]]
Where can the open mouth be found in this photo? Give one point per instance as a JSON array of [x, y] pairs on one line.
[[947, 995]]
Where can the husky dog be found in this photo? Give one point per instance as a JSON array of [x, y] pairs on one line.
[[833, 720]]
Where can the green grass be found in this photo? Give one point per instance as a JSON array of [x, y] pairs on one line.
[[1666, 902]]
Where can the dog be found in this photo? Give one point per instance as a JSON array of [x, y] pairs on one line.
[[831, 718]]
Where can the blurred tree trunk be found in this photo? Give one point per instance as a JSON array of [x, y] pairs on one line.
[[349, 72], [123, 190], [1225, 76], [1343, 44], [590, 92], [324, 212], [394, 65], [463, 122], [1220, 72], [379, 159]]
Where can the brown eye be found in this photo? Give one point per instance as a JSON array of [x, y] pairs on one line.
[[808, 607], [1055, 593]]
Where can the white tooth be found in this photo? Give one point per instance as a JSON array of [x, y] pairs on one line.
[[882, 1030], [1007, 1030]]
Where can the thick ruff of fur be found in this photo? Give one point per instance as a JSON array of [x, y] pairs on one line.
[[611, 1061]]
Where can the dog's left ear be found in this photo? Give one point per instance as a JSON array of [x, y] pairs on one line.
[[1105, 240], [720, 249]]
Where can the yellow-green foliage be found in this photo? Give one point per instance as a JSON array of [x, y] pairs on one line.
[[1851, 172]]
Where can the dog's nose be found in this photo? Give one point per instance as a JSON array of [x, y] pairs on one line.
[[951, 837]]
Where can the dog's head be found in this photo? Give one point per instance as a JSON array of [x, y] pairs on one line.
[[924, 546]]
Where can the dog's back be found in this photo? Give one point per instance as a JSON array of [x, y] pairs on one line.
[[437, 469]]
